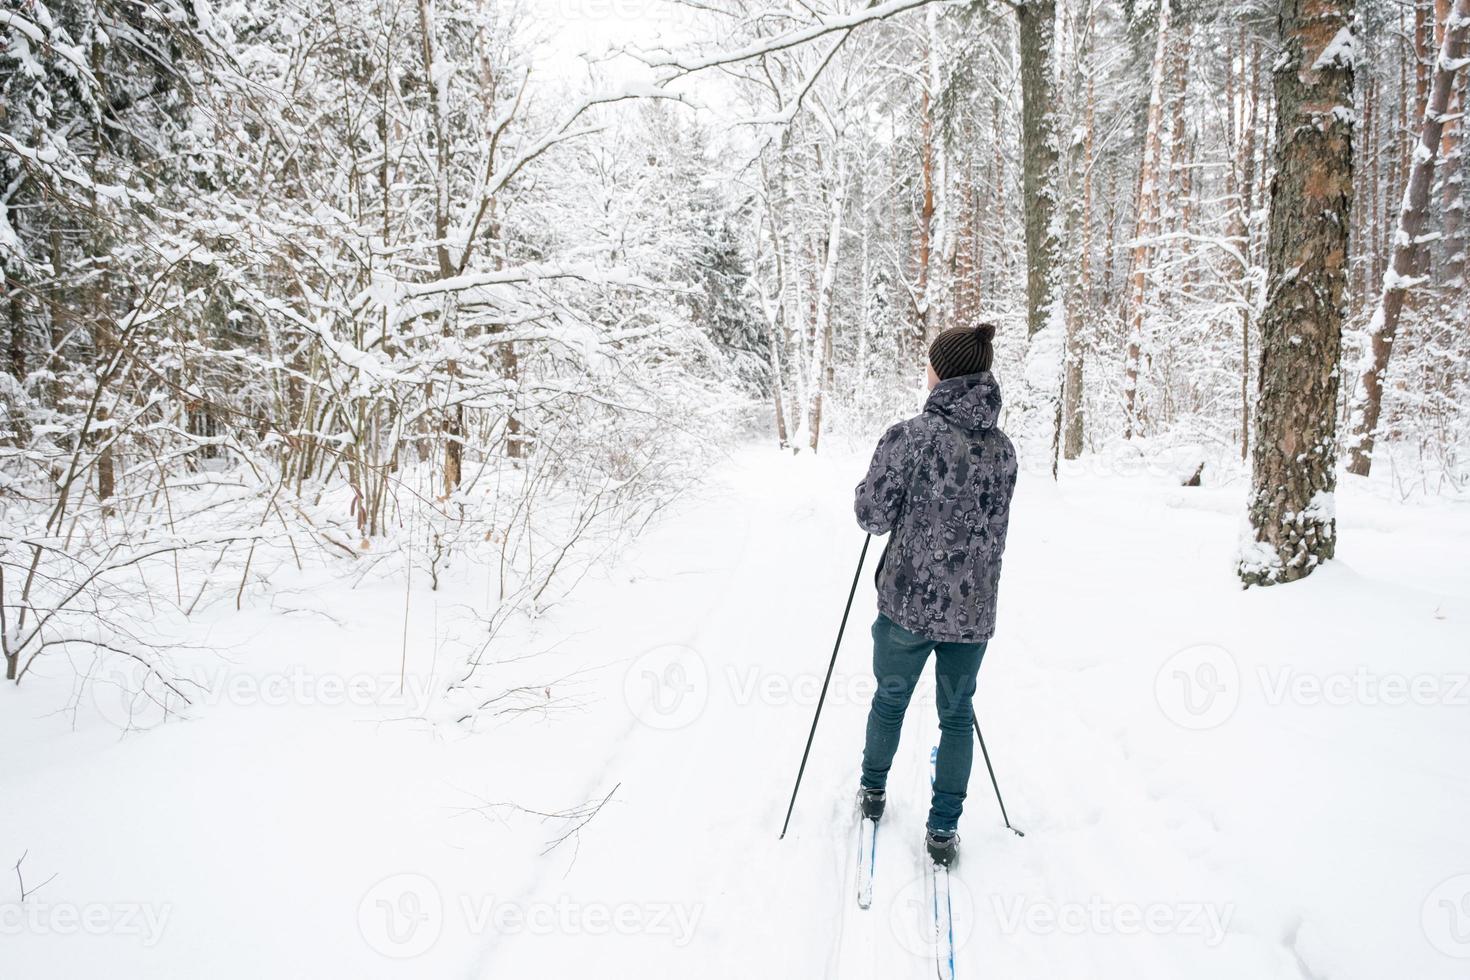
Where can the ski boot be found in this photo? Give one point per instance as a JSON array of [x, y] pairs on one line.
[[942, 848], [871, 801]]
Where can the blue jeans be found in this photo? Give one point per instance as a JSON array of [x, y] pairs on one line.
[[898, 660]]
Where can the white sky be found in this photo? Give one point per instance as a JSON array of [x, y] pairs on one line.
[[596, 27], [568, 29]]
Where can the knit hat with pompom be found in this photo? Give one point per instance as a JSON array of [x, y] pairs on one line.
[[962, 350]]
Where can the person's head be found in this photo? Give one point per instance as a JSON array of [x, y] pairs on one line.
[[959, 351]]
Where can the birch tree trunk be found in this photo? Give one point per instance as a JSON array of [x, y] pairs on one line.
[[788, 283], [1293, 525], [1072, 421], [1408, 250], [773, 310], [821, 371], [777, 388]]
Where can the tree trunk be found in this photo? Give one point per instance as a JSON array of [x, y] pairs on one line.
[[12, 656], [996, 265], [783, 439], [439, 136], [1365, 232], [510, 370], [1072, 382], [1291, 510], [964, 277], [1408, 250], [821, 370], [923, 319], [1039, 406], [785, 238], [1145, 225], [1250, 113], [941, 235], [1423, 47], [1452, 152], [15, 353], [865, 271], [452, 424], [453, 448], [1375, 225], [1181, 172], [1460, 302], [98, 303], [1039, 158]]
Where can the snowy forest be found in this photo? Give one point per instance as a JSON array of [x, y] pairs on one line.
[[414, 406]]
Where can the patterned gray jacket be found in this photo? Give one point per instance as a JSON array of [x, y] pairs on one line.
[[941, 482]]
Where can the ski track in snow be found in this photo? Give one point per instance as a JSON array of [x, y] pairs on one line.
[[1312, 834]]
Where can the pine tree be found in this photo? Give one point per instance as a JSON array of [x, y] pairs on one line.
[[1291, 509]]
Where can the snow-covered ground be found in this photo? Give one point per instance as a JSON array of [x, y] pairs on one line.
[[1212, 782]]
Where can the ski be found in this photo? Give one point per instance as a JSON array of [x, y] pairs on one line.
[[867, 858], [937, 878], [940, 905]]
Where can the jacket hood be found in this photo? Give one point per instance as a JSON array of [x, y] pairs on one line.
[[971, 401]]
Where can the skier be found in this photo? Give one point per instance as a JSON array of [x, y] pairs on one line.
[[941, 482]]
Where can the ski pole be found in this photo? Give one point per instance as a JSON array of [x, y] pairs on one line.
[[993, 783], [823, 696]]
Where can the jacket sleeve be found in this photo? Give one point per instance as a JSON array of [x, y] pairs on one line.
[[880, 496]]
